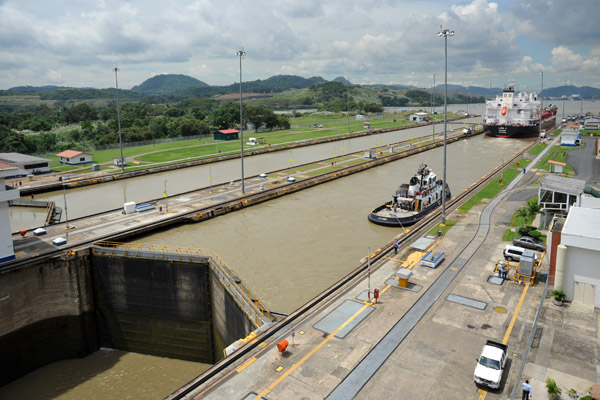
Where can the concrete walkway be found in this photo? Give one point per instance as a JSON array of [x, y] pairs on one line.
[[420, 344]]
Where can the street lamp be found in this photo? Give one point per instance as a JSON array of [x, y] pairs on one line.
[[433, 111], [348, 106], [445, 33], [65, 199], [541, 103], [241, 53], [116, 69]]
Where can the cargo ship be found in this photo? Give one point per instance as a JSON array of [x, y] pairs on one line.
[[517, 115], [412, 201]]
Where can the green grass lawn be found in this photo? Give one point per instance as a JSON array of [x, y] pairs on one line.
[[444, 229], [537, 149], [490, 190], [556, 153], [590, 132], [516, 222], [194, 148], [521, 163]]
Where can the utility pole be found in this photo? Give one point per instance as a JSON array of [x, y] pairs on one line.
[[116, 69], [541, 103], [241, 53], [445, 33], [433, 111]]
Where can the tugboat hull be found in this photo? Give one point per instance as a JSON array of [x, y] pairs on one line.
[[403, 221]]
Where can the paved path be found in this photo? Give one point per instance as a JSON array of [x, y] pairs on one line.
[[584, 162]]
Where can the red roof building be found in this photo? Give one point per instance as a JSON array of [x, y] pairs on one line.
[[226, 134], [74, 157]]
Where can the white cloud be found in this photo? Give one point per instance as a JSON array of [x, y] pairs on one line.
[[364, 40], [558, 21]]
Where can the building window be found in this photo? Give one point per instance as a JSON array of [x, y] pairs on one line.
[[82, 159]]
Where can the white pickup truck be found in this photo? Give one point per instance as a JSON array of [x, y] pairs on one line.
[[490, 365]]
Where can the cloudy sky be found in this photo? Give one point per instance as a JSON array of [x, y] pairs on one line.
[[78, 42]]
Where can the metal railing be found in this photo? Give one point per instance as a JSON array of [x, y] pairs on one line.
[[241, 294]]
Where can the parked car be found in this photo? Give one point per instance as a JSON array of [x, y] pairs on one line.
[[529, 243], [490, 365]]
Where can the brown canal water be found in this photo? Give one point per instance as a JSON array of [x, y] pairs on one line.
[[290, 249], [286, 250], [106, 374]]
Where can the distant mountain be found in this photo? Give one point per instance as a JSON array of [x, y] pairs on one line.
[[343, 80], [392, 87], [165, 84], [35, 89], [585, 92], [280, 83]]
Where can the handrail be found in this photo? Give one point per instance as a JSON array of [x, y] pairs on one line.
[[240, 293]]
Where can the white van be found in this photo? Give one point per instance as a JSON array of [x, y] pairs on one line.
[[514, 253]]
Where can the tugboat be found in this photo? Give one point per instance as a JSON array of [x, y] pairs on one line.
[[517, 115], [412, 201]]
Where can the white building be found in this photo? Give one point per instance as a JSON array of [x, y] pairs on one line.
[[26, 164], [591, 123], [557, 194], [7, 251], [581, 270], [418, 116], [74, 157]]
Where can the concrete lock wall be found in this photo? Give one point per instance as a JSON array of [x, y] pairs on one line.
[[46, 315], [154, 307], [230, 322], [69, 306]]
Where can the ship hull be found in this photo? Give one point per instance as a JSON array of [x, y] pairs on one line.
[[509, 131]]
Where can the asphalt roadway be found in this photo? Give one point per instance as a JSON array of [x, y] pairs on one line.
[[423, 343]]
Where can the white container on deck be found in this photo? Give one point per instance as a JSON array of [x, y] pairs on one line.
[[129, 207]]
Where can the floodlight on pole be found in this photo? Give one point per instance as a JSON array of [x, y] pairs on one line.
[[116, 69], [241, 53], [541, 103], [433, 111], [445, 33]]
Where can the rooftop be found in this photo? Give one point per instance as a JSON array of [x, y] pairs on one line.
[[563, 185], [21, 158], [581, 228], [228, 131], [6, 169], [71, 153]]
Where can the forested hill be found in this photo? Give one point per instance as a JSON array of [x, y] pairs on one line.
[[164, 84], [169, 88]]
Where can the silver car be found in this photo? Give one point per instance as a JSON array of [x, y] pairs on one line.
[[530, 243]]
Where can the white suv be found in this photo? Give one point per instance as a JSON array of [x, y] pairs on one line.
[[514, 253]]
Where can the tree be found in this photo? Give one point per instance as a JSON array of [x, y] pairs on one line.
[[255, 115], [225, 117], [283, 122], [192, 127]]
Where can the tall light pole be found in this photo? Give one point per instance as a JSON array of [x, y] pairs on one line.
[[116, 69], [65, 199], [445, 33], [241, 53], [541, 103], [433, 111], [348, 106]]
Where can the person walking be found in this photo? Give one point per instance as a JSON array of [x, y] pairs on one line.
[[526, 390], [396, 246], [504, 270]]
